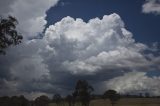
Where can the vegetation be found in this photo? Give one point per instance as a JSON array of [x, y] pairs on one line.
[[69, 99], [112, 95], [83, 92], [14, 101], [42, 101], [57, 99], [8, 33], [82, 96]]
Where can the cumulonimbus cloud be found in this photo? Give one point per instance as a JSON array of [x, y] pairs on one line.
[[94, 46], [72, 49]]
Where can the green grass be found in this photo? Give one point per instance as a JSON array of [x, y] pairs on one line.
[[121, 102]]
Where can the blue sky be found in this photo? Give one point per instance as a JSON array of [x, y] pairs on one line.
[[145, 27], [119, 50]]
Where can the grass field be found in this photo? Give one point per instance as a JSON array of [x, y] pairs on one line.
[[121, 102]]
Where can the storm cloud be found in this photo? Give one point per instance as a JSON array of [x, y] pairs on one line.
[[100, 50]]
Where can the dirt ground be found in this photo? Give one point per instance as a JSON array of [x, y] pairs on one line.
[[121, 102]]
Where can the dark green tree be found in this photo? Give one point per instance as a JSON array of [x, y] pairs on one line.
[[147, 95], [4, 101], [8, 33], [57, 99], [23, 101], [112, 95], [83, 92], [14, 101], [42, 101], [140, 95], [69, 99]]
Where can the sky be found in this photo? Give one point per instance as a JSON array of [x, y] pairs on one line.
[[111, 44]]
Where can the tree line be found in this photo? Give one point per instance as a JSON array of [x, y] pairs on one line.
[[82, 93]]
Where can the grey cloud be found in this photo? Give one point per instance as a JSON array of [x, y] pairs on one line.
[[30, 14], [97, 50], [5, 6]]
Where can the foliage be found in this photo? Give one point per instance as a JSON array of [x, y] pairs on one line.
[[112, 95], [69, 99], [83, 92], [8, 33], [42, 101], [14, 101], [57, 98]]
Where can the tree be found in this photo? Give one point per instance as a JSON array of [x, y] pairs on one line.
[[4, 101], [147, 95], [112, 95], [140, 95], [83, 92], [8, 33], [23, 100], [14, 101], [42, 101], [69, 99], [57, 98]]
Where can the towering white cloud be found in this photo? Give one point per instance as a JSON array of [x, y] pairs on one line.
[[151, 6], [71, 49], [96, 45]]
